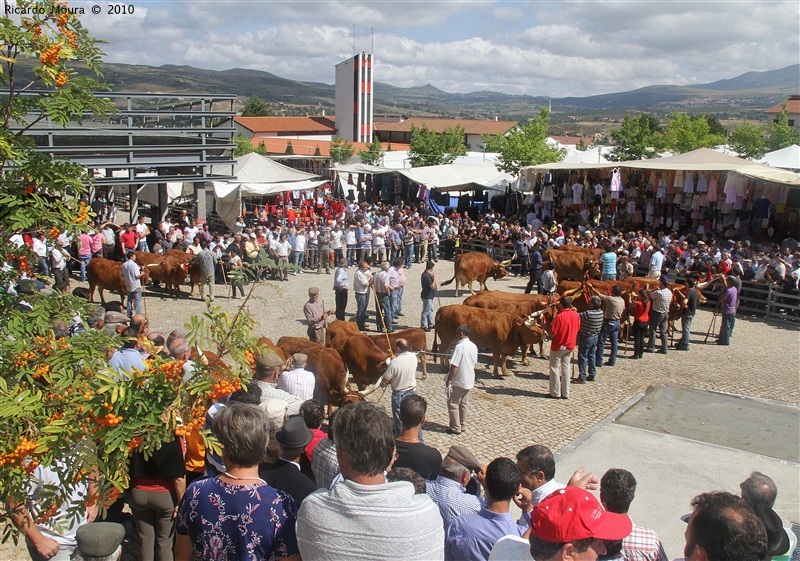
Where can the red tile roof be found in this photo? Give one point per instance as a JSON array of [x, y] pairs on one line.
[[308, 147], [792, 105], [471, 126], [321, 125], [573, 140]]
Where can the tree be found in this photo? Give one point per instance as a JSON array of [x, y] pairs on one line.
[[61, 405], [428, 148], [373, 154], [256, 107], [243, 145], [714, 126], [781, 134], [340, 149], [748, 140], [289, 148], [581, 146], [634, 140], [685, 133], [525, 145]]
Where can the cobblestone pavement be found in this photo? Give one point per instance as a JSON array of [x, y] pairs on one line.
[[511, 413], [508, 414]]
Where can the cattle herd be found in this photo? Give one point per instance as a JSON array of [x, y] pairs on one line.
[[501, 323]]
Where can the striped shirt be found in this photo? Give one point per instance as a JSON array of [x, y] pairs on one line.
[[298, 382], [452, 499], [661, 300], [591, 322]]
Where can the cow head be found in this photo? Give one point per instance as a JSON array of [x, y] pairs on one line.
[[145, 275], [500, 270], [592, 268]]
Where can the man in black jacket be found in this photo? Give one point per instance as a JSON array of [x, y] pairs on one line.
[[285, 474]]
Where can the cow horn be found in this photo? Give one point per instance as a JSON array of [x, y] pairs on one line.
[[371, 389], [154, 265], [506, 263]]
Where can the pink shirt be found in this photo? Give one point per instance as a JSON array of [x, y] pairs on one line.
[[85, 245]]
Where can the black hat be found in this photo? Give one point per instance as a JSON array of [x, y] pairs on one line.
[[99, 539], [777, 540], [294, 434]]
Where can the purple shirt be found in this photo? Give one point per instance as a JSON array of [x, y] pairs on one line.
[[729, 298]]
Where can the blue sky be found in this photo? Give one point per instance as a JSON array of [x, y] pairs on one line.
[[551, 48]]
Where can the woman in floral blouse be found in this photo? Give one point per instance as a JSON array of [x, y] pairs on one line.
[[237, 516]]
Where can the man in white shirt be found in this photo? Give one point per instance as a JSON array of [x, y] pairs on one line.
[[460, 380], [282, 247], [656, 262], [40, 249], [133, 286], [299, 382], [361, 283], [341, 285], [538, 469], [190, 232], [402, 375], [299, 250]]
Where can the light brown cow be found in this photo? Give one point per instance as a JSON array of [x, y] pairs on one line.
[[501, 332], [338, 332], [365, 361], [168, 269], [594, 252], [476, 266], [329, 370], [105, 274], [572, 265]]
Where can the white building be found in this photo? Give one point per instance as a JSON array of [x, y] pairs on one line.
[[354, 104]]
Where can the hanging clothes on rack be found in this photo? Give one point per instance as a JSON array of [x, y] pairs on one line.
[[711, 197], [702, 183], [688, 182]]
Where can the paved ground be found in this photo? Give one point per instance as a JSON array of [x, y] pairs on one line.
[[512, 413]]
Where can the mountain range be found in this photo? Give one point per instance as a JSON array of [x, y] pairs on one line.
[[747, 95]]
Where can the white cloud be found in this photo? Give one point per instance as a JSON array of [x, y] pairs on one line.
[[538, 48]]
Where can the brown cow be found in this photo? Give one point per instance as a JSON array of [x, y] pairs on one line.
[[107, 275], [522, 305], [572, 265], [339, 331], [594, 252], [265, 343], [164, 268], [329, 371], [476, 266], [501, 332], [365, 361]]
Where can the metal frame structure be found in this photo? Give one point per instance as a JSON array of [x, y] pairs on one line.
[[152, 138]]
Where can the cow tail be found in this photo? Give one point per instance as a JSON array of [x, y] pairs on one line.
[[449, 282]]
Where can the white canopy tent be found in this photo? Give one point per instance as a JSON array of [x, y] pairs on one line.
[[702, 159], [786, 158], [460, 177], [257, 176]]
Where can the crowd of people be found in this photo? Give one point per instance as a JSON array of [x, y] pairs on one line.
[[364, 485]]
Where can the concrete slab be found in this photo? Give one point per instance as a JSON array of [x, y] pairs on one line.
[[670, 469]]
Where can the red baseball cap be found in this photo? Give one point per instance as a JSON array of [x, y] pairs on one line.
[[573, 514]]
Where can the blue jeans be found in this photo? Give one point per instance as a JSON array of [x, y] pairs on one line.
[[136, 296], [362, 301], [397, 398], [142, 246], [409, 255], [586, 348], [725, 332], [298, 260], [397, 301], [686, 329], [84, 259], [610, 329], [386, 310], [351, 254], [426, 320]]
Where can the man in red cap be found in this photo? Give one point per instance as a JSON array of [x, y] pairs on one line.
[[568, 524]]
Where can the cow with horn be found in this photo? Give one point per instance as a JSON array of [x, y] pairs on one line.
[[476, 266]]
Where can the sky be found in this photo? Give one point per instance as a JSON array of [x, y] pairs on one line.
[[541, 48]]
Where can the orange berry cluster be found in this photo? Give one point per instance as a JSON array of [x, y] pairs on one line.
[[30, 189], [42, 369], [197, 422], [54, 232], [61, 79], [51, 54], [224, 387], [47, 514], [62, 19], [22, 359], [23, 449], [251, 359], [172, 370], [110, 420], [134, 443], [71, 38], [83, 215]]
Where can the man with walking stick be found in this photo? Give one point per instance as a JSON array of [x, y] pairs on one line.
[[316, 316]]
